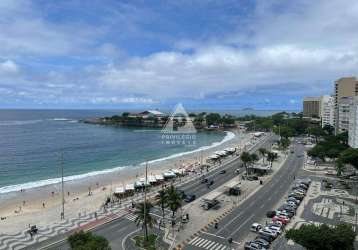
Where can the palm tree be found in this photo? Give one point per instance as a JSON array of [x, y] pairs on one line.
[[246, 159], [263, 153], [162, 200], [174, 199], [143, 217], [271, 157]]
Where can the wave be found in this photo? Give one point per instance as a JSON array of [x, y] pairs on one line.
[[229, 136], [60, 119], [41, 183], [35, 184], [19, 123]]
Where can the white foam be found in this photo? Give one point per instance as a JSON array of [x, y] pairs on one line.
[[19, 123], [13, 188]]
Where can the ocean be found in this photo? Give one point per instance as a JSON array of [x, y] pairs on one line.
[[32, 141]]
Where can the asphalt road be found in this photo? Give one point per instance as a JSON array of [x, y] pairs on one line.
[[236, 225], [119, 230]]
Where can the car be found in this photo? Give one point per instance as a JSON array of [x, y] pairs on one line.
[[287, 208], [190, 198], [268, 232], [274, 228], [270, 214], [286, 213], [328, 185], [277, 223], [222, 171], [204, 180], [262, 242], [294, 200], [252, 178], [253, 246], [210, 183], [237, 171], [234, 191], [290, 204], [281, 218], [296, 196], [255, 227], [267, 237], [181, 193]]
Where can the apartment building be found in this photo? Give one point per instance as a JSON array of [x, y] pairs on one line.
[[311, 107], [344, 107], [353, 124], [327, 110], [344, 87]]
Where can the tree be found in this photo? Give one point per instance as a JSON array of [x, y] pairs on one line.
[[263, 152], [271, 157], [88, 241], [246, 159], [284, 143], [322, 237], [316, 131], [174, 199], [349, 156], [213, 119], [143, 217], [162, 200], [328, 129]]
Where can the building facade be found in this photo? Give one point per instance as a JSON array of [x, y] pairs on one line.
[[344, 107], [311, 107], [353, 124], [344, 87], [327, 110]]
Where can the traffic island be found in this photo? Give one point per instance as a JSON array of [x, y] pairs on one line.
[[149, 244]]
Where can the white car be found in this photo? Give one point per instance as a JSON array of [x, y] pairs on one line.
[[274, 228], [268, 232], [255, 227]]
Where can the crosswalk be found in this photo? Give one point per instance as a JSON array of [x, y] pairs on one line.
[[130, 217], [207, 244]]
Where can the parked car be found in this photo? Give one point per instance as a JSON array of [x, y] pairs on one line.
[[292, 199], [190, 198], [262, 242], [296, 196], [255, 227], [282, 219], [270, 214], [252, 178], [286, 213], [277, 223], [291, 204], [253, 246], [267, 237], [182, 193], [268, 232], [204, 180], [274, 228]]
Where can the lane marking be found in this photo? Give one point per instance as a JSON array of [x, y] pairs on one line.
[[242, 224]]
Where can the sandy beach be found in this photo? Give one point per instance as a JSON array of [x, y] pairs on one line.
[[42, 205]]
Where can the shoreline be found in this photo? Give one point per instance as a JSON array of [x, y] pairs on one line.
[[77, 200], [53, 181]]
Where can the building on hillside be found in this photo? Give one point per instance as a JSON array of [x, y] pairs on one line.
[[344, 87], [311, 107], [353, 124], [148, 114], [343, 117], [327, 110]]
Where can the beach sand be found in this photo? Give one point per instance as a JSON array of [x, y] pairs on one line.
[[39, 206]]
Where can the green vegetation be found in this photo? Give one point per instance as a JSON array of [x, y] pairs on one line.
[[248, 159], [143, 217], [149, 244], [88, 241], [174, 199], [323, 237], [271, 157]]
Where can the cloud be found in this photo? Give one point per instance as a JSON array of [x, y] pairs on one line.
[[138, 53], [9, 67]]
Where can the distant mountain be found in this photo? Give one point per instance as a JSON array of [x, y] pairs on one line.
[[248, 109]]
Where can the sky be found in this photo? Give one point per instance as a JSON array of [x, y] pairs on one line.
[[222, 54]]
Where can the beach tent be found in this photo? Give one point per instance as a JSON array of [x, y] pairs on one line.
[[159, 177], [178, 171], [230, 150], [152, 179], [129, 187], [119, 190], [169, 174], [142, 180]]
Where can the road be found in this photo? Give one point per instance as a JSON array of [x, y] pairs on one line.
[[236, 225], [117, 231]]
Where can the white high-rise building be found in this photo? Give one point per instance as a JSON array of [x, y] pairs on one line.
[[353, 124], [327, 110], [344, 107]]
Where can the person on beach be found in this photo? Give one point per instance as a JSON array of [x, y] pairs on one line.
[[43, 204]]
